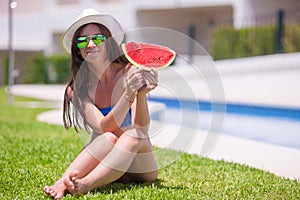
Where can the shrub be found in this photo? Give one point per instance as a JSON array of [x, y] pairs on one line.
[[34, 71], [228, 42], [42, 69], [60, 64], [290, 41], [223, 42]]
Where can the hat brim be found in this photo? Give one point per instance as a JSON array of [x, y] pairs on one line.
[[107, 20]]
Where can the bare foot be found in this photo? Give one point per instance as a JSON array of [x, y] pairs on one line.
[[75, 185], [57, 190]]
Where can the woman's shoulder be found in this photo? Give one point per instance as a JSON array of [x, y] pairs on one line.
[[69, 91], [120, 68]]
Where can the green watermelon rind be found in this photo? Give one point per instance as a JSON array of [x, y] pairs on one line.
[[123, 45]]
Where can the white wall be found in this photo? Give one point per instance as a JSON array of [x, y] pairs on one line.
[[34, 29], [247, 11], [35, 21]]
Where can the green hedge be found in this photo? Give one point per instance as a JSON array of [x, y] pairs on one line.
[[60, 65], [41, 69], [228, 42], [291, 41], [34, 71]]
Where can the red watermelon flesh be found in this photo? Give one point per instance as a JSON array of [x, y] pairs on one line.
[[148, 55]]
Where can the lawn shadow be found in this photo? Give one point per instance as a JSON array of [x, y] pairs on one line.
[[117, 187]]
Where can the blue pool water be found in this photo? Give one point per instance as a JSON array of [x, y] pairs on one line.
[[275, 125]]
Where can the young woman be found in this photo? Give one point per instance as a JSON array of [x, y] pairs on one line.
[[109, 97]]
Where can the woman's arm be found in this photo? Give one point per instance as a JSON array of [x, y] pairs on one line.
[[112, 121], [141, 116], [109, 123]]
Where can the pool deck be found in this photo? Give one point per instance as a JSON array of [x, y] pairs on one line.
[[267, 81]]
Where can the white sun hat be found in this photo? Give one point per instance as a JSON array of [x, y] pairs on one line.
[[91, 15]]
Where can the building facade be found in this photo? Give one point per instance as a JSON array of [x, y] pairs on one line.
[[38, 24]]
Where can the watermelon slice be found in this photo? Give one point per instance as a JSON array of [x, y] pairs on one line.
[[147, 56]]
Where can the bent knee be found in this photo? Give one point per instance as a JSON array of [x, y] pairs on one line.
[[152, 176], [110, 137], [137, 137], [136, 133], [107, 137], [147, 177]]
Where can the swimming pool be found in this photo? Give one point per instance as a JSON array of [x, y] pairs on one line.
[[275, 125]]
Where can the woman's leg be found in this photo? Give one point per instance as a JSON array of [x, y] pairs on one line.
[[143, 168], [115, 164], [84, 163]]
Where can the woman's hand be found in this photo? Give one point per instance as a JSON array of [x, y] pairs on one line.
[[133, 82], [151, 81]]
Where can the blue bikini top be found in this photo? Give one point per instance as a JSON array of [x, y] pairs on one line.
[[127, 121]]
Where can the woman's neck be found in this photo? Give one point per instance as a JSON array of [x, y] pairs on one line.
[[103, 72]]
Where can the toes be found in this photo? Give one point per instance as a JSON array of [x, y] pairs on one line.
[[58, 196], [48, 189], [53, 194], [68, 183], [56, 191], [73, 178], [73, 174], [71, 182]]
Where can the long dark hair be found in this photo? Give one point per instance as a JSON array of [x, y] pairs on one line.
[[78, 82]]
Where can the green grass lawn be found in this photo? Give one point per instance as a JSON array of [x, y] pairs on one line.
[[35, 154]]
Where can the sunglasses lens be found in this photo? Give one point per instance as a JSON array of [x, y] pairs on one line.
[[81, 45], [82, 42], [98, 39]]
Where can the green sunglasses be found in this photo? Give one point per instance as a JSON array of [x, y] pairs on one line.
[[84, 40]]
